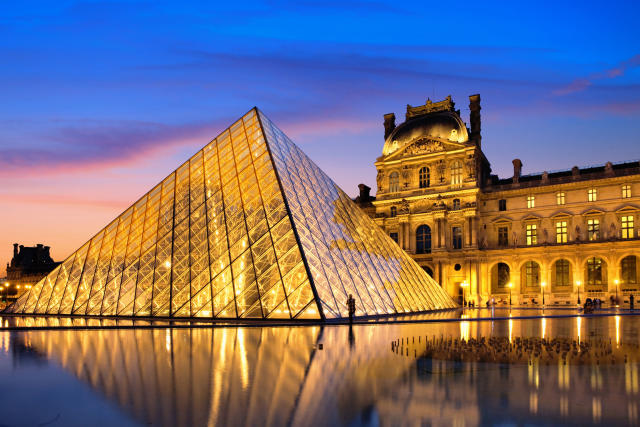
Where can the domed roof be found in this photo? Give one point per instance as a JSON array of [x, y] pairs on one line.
[[445, 125]]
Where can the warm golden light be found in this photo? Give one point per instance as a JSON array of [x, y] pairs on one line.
[[510, 285], [578, 283], [544, 284]]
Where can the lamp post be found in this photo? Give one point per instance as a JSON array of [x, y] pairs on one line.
[[616, 282], [6, 291], [578, 283], [510, 286], [543, 286]]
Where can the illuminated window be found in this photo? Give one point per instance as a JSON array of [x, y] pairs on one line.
[[502, 204], [531, 202], [560, 198], [456, 204], [629, 270], [394, 182], [592, 194], [594, 271], [456, 172], [627, 226], [423, 239], [593, 229], [562, 272], [532, 234], [394, 237], [626, 191], [503, 236], [561, 232], [531, 273], [424, 177], [393, 211], [457, 237]]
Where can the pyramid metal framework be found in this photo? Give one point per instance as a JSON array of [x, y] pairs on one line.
[[249, 227]]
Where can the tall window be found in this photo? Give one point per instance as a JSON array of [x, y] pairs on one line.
[[504, 275], [393, 211], [594, 271], [424, 177], [532, 234], [456, 233], [562, 272], [394, 237], [456, 204], [456, 172], [423, 239], [626, 191], [394, 182], [593, 229], [503, 236], [502, 204], [561, 198], [628, 267], [531, 273], [561, 232], [531, 202], [592, 194], [627, 226]]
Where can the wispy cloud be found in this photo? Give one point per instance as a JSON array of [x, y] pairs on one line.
[[578, 85]]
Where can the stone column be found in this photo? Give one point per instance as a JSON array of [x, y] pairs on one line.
[[474, 231], [436, 234]]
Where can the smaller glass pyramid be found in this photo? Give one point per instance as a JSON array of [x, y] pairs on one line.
[[249, 227]]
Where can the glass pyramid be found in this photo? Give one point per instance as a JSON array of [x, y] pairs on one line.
[[249, 227]]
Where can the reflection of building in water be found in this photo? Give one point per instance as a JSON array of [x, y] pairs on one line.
[[437, 198]]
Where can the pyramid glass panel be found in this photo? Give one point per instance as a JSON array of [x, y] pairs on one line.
[[249, 227]]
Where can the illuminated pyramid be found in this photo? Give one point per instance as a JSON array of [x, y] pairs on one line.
[[249, 227]]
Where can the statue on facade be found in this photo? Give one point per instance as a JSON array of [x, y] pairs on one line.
[[404, 206], [380, 179], [440, 168], [577, 233], [545, 233], [471, 166], [613, 232], [515, 239]]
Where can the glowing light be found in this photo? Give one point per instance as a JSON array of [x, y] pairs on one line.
[[167, 264], [617, 331], [544, 326], [579, 326]]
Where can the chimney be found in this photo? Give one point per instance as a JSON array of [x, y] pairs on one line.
[[15, 249], [364, 193], [517, 170], [389, 124], [474, 118]]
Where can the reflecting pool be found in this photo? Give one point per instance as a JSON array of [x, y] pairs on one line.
[[371, 374]]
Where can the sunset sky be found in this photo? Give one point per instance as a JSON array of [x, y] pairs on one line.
[[102, 99]]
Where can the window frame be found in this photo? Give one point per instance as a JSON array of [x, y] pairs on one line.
[[423, 239], [456, 172], [561, 198], [502, 205], [627, 224], [593, 229], [424, 177], [503, 238], [394, 182], [626, 191], [562, 273], [562, 231], [592, 195], [531, 202], [531, 234], [456, 237]]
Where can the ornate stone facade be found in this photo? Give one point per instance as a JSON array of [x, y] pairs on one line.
[[558, 232]]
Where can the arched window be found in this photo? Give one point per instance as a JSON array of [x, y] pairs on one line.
[[456, 204], [628, 267], [394, 182], [423, 239], [596, 269], [424, 177], [456, 172], [562, 274], [504, 275], [456, 235], [393, 211], [531, 274]]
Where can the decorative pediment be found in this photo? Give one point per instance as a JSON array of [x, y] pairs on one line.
[[424, 146], [502, 220], [593, 212], [561, 214], [531, 217], [627, 208]]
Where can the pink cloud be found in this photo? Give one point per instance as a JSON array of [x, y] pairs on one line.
[[583, 83]]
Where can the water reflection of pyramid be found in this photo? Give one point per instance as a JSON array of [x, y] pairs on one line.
[[249, 227]]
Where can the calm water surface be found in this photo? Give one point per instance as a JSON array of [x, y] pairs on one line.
[[311, 375]]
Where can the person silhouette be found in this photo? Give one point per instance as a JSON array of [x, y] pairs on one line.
[[351, 306]]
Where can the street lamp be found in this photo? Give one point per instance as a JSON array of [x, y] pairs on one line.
[[578, 283], [543, 286], [616, 282], [6, 291], [510, 286]]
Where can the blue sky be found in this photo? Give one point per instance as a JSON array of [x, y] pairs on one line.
[[100, 100]]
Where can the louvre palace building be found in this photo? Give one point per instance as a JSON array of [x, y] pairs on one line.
[[564, 235]]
